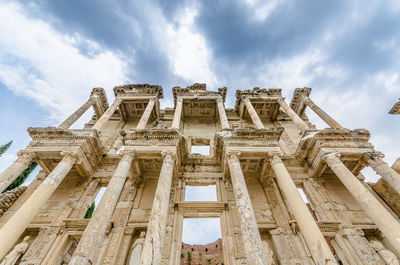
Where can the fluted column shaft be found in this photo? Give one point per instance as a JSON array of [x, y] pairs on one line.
[[15, 169], [300, 124], [253, 246], [222, 114], [146, 114], [76, 115], [315, 240], [177, 114], [152, 247], [94, 234], [321, 113], [389, 226], [107, 115], [253, 114], [375, 161], [17, 224]]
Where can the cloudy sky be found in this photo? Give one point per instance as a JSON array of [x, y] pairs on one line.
[[53, 52]]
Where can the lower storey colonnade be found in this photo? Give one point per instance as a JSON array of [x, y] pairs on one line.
[[256, 251]]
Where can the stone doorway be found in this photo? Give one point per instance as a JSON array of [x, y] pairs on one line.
[[201, 242]]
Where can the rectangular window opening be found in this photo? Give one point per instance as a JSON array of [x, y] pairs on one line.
[[303, 195], [96, 202], [201, 193], [201, 241], [200, 149]]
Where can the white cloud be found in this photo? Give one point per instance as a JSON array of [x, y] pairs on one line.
[[46, 65], [186, 49], [262, 9], [201, 231]]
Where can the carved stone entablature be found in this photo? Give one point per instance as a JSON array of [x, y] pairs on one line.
[[48, 144], [267, 137], [197, 91], [297, 100], [159, 140], [102, 105], [350, 144], [264, 101], [133, 90]]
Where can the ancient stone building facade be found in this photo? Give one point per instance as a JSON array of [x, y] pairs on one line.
[[261, 153]]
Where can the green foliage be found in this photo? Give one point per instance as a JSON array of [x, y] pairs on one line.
[[4, 148], [21, 178], [182, 255], [209, 261], [189, 257], [90, 211]]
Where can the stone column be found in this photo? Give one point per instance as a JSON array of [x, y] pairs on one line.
[[177, 114], [17, 224], [107, 115], [76, 115], [146, 114], [153, 244], [300, 124], [389, 226], [252, 243], [374, 160], [315, 240], [322, 114], [253, 114], [222, 114], [16, 168], [93, 236]]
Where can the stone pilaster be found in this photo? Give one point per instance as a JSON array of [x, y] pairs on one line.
[[76, 115], [146, 114], [222, 114], [16, 168], [315, 241], [375, 161], [93, 236], [253, 114], [17, 224], [252, 243], [321, 113], [177, 114], [107, 115], [389, 226], [300, 124], [152, 247]]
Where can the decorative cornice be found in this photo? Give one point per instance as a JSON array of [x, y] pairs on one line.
[[256, 92], [197, 89], [99, 91], [140, 90], [148, 134], [54, 132], [297, 99]]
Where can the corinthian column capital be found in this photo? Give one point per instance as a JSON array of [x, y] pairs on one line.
[[232, 155], [274, 158], [330, 157], [72, 156], [128, 153], [26, 156], [168, 156], [372, 158]]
